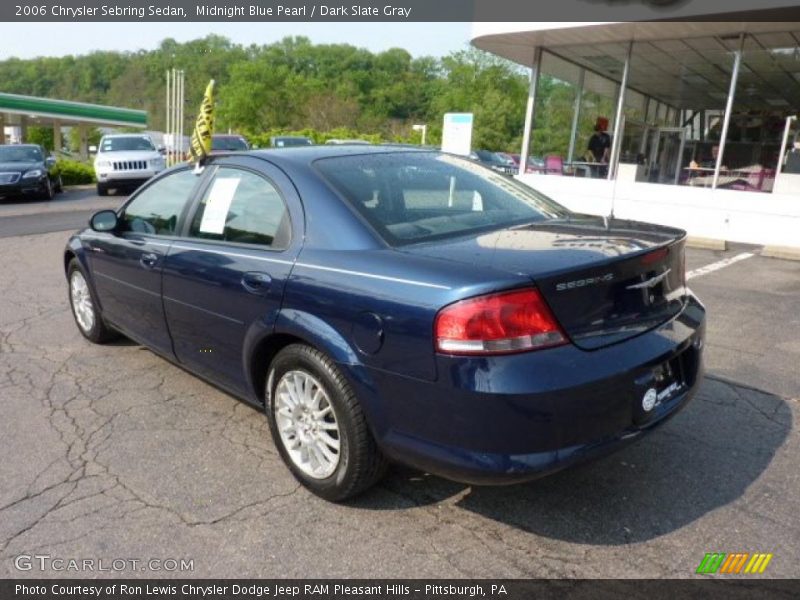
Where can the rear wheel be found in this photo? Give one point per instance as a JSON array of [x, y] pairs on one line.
[[318, 425], [84, 307]]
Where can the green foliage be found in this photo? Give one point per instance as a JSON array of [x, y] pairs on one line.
[[93, 134], [40, 135], [330, 90], [75, 173]]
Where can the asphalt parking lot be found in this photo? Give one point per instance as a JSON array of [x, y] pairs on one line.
[[113, 453]]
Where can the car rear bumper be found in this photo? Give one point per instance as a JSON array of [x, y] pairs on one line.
[[505, 419]]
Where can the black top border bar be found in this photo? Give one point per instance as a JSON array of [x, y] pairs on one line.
[[31, 11]]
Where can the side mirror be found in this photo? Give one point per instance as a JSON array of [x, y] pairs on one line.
[[50, 162], [254, 147], [93, 149], [162, 149], [104, 221]]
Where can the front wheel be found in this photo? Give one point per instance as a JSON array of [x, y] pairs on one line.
[[84, 308], [318, 425], [48, 193], [102, 190]]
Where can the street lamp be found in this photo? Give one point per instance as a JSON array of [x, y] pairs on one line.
[[423, 129]]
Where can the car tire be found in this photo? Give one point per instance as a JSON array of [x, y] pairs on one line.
[[85, 309], [102, 190], [49, 193], [59, 185], [314, 414]]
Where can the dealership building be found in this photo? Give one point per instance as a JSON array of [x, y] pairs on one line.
[[701, 118]]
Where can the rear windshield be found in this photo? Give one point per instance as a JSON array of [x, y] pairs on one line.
[[418, 196], [228, 143], [282, 142], [126, 144]]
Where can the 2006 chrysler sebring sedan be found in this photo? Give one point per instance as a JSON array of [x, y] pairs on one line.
[[392, 304]]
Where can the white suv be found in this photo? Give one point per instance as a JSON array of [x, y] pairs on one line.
[[126, 161]]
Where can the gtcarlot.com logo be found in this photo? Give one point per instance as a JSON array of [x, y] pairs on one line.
[[738, 563], [45, 562]]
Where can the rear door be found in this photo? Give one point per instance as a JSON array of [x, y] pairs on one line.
[[224, 280], [127, 264]]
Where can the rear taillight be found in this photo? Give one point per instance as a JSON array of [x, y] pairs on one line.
[[497, 324]]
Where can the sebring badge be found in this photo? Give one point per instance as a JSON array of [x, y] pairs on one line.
[[579, 283]]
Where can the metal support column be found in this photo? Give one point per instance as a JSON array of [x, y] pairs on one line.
[[83, 144], [616, 141], [576, 116], [57, 142], [530, 109], [737, 62]]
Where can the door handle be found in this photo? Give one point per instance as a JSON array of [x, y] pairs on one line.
[[256, 283], [148, 260]]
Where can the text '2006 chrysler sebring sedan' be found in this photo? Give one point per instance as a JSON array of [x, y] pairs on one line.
[[386, 304]]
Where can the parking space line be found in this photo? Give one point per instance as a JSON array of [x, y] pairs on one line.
[[716, 266]]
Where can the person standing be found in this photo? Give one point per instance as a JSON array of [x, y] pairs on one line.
[[600, 145]]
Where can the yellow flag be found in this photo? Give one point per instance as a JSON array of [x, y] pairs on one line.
[[204, 126]]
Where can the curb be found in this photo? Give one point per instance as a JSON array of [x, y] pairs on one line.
[[706, 243], [782, 252]]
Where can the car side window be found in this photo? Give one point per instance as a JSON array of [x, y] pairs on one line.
[[242, 207], [157, 208]]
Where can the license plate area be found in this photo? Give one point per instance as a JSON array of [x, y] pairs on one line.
[[669, 380]]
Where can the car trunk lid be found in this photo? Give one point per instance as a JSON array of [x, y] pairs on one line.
[[605, 280]]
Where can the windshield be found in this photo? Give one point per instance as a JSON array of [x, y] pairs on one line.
[[418, 196], [126, 144], [228, 143], [20, 154]]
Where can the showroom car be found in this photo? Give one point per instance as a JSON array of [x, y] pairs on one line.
[[28, 170], [126, 161], [386, 304]]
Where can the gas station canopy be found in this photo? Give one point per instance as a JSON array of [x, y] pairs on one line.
[[34, 111]]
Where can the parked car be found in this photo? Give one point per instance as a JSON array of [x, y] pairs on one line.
[[285, 141], [535, 163], [126, 161], [228, 143], [335, 142], [495, 161], [28, 170], [388, 304]]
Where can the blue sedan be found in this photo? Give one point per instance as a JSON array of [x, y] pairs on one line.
[[385, 304]]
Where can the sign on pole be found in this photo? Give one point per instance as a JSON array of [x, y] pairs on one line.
[[457, 133]]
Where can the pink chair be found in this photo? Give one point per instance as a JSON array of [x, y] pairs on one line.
[[553, 165]]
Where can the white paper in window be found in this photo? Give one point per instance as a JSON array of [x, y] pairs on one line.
[[218, 203], [477, 201]]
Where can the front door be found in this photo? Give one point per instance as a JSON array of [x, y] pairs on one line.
[[224, 280], [128, 263]]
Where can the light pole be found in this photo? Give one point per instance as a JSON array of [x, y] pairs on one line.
[[423, 129]]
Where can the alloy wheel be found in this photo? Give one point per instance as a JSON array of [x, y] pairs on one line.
[[82, 306], [307, 424]]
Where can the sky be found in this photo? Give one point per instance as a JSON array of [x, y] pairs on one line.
[[27, 40]]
